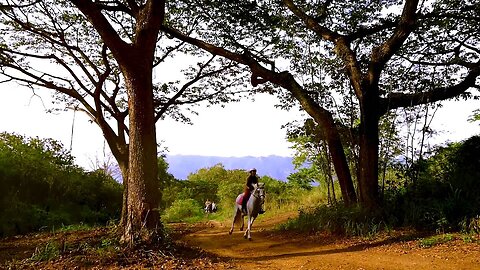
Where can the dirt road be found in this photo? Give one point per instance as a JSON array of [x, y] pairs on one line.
[[271, 249]]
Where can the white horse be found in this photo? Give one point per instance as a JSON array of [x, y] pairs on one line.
[[254, 205]]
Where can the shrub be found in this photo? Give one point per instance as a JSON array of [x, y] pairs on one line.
[[338, 219], [183, 210], [40, 187], [435, 240], [445, 191]]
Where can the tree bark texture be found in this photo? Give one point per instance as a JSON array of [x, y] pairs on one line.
[[141, 219], [143, 196], [368, 156]]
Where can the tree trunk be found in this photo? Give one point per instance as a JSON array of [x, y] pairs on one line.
[[339, 161], [368, 156], [123, 216], [324, 119], [143, 194], [330, 178]]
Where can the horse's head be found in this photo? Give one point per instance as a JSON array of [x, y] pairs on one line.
[[259, 191]]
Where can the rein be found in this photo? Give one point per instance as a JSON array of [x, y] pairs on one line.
[[257, 194]]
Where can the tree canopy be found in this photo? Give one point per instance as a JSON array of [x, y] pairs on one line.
[[341, 61], [107, 58], [387, 55]]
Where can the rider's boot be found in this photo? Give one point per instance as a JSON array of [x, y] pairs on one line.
[[244, 208], [262, 210]]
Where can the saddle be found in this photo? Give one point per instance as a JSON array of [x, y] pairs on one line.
[[240, 199]]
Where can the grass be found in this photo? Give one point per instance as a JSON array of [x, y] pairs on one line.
[[435, 240], [75, 227], [338, 219], [46, 252]]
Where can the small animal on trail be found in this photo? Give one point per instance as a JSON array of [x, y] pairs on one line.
[[254, 205]]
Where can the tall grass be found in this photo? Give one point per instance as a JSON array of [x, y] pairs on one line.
[[337, 219]]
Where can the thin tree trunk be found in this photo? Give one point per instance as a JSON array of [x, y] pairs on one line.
[[327, 169], [330, 177], [385, 149], [339, 160], [123, 216]]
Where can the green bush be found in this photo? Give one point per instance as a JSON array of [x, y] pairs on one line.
[[184, 210], [40, 188], [223, 186], [444, 192], [435, 240], [338, 219], [441, 193]]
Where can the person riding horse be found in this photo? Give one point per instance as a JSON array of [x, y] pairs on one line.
[[251, 180], [208, 206]]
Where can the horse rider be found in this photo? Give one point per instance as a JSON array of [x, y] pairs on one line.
[[208, 206], [251, 179], [214, 207]]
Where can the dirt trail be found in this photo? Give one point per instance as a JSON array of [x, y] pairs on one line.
[[274, 250]]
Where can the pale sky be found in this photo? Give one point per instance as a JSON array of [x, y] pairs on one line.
[[240, 129], [248, 128]]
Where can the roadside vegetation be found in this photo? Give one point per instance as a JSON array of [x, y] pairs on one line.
[[438, 194], [184, 199], [41, 189]]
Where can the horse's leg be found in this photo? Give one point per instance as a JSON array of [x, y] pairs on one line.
[[242, 217], [235, 214], [247, 231], [250, 229]]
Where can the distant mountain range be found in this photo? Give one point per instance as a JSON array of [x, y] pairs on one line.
[[276, 167]]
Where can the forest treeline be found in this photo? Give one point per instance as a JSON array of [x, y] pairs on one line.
[[42, 189]]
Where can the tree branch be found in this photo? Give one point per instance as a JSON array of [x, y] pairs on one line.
[[367, 31], [198, 77], [204, 45], [94, 14], [131, 10], [312, 23], [383, 53], [400, 100]]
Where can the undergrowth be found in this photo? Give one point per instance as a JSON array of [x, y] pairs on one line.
[[337, 219], [435, 240]]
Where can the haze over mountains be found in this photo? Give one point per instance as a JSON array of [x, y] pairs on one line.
[[274, 166]]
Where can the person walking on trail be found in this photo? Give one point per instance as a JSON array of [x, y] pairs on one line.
[[251, 179]]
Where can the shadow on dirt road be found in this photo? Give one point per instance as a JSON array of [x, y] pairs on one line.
[[272, 249]]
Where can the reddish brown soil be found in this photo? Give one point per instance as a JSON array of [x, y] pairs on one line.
[[271, 249], [209, 246]]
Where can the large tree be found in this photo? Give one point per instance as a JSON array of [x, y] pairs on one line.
[[387, 54], [100, 57]]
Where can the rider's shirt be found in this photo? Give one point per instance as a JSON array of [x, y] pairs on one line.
[[252, 179]]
